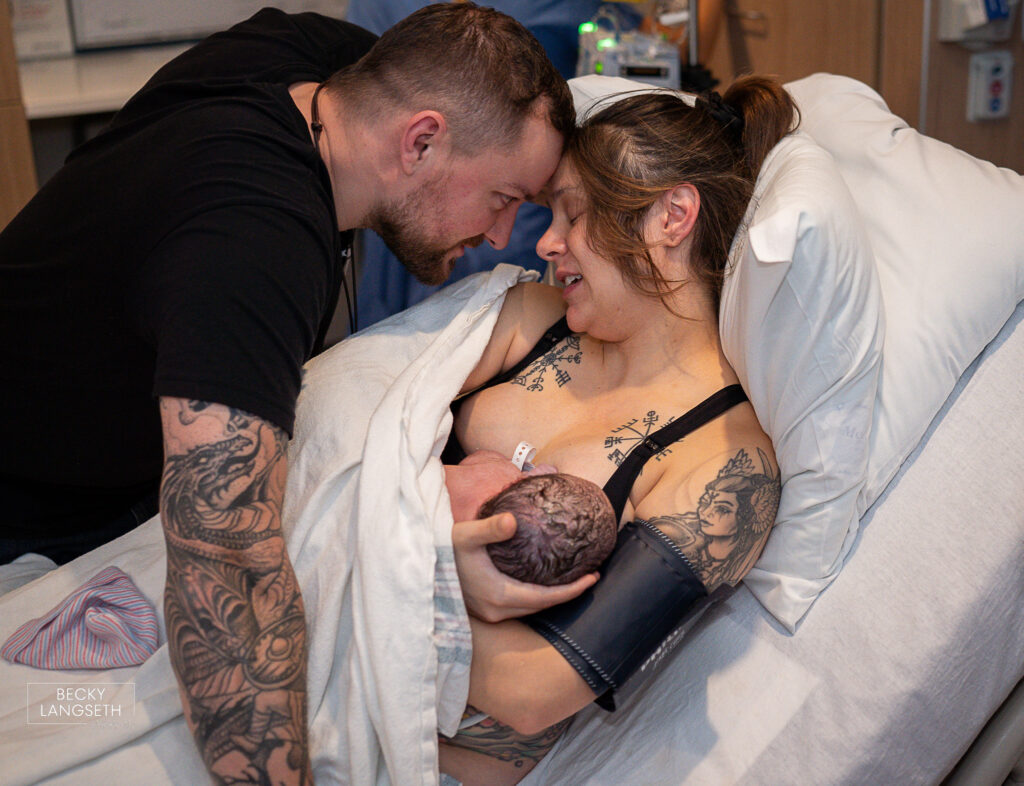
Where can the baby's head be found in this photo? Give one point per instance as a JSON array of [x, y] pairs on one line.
[[566, 528]]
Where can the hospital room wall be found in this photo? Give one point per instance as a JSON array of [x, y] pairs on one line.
[[891, 45], [17, 173], [1000, 141]]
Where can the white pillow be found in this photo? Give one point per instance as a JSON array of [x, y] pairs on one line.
[[947, 232], [801, 324]]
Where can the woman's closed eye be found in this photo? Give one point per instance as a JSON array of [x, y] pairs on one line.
[[572, 209]]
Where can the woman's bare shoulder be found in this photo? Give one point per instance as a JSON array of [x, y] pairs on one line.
[[529, 309], [535, 308]]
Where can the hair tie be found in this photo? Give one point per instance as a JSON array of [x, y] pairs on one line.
[[727, 115]]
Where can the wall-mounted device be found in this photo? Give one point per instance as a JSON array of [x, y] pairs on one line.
[[988, 85], [973, 22], [41, 29]]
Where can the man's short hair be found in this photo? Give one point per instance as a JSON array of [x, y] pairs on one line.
[[566, 528], [480, 68]]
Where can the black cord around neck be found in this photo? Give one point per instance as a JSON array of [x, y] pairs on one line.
[[350, 297], [315, 125]]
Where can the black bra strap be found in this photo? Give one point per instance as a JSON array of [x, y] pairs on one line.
[[621, 482]]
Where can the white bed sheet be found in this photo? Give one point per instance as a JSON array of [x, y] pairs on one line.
[[896, 668]]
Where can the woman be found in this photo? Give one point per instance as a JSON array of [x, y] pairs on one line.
[[645, 205]]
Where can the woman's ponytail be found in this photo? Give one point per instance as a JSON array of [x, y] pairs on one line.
[[769, 113]]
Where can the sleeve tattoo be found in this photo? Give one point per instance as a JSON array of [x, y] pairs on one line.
[[235, 623], [724, 536]]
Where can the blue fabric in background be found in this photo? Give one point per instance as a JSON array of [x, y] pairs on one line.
[[385, 287]]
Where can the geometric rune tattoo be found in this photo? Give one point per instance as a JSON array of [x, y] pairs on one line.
[[627, 436], [565, 353]]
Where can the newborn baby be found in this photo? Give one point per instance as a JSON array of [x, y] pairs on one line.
[[565, 524]]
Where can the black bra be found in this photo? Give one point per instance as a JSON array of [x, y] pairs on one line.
[[621, 482]]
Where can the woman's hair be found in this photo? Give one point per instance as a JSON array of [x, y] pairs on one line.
[[565, 528], [631, 152], [480, 68]]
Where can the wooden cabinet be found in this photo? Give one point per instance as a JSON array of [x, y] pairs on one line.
[[17, 169], [794, 38]]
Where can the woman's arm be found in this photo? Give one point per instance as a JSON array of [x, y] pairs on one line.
[[520, 679], [728, 507], [721, 515]]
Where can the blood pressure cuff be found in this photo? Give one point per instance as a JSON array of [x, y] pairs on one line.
[[629, 619]]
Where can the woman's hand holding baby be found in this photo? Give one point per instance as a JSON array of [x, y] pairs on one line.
[[489, 594]]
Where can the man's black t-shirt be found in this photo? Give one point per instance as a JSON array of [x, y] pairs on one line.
[[190, 250]]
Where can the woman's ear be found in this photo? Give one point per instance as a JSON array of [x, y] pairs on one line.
[[679, 209], [421, 135]]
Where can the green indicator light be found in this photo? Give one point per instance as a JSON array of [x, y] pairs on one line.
[[587, 27], [605, 43], [598, 67]]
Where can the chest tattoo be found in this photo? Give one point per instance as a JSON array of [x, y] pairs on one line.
[[626, 437], [555, 361]]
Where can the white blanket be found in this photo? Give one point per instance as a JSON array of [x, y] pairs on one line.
[[369, 531]]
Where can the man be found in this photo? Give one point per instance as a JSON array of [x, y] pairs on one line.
[[160, 294], [383, 290]]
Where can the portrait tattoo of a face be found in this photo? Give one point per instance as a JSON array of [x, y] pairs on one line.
[[723, 537]]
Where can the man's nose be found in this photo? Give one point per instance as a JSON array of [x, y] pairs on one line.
[[501, 230]]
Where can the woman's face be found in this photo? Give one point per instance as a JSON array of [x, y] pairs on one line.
[[598, 300], [717, 511]]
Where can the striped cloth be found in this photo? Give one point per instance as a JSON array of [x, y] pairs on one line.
[[104, 624]]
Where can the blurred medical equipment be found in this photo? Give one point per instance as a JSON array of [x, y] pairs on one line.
[[607, 50], [652, 54]]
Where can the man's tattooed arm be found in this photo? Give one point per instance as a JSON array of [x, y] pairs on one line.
[[724, 536], [235, 624]]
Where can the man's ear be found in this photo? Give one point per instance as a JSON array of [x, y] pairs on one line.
[[422, 133], [678, 213]]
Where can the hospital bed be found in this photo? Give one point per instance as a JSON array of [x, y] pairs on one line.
[[874, 317]]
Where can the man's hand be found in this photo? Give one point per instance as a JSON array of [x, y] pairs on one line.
[[489, 594], [236, 631]]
